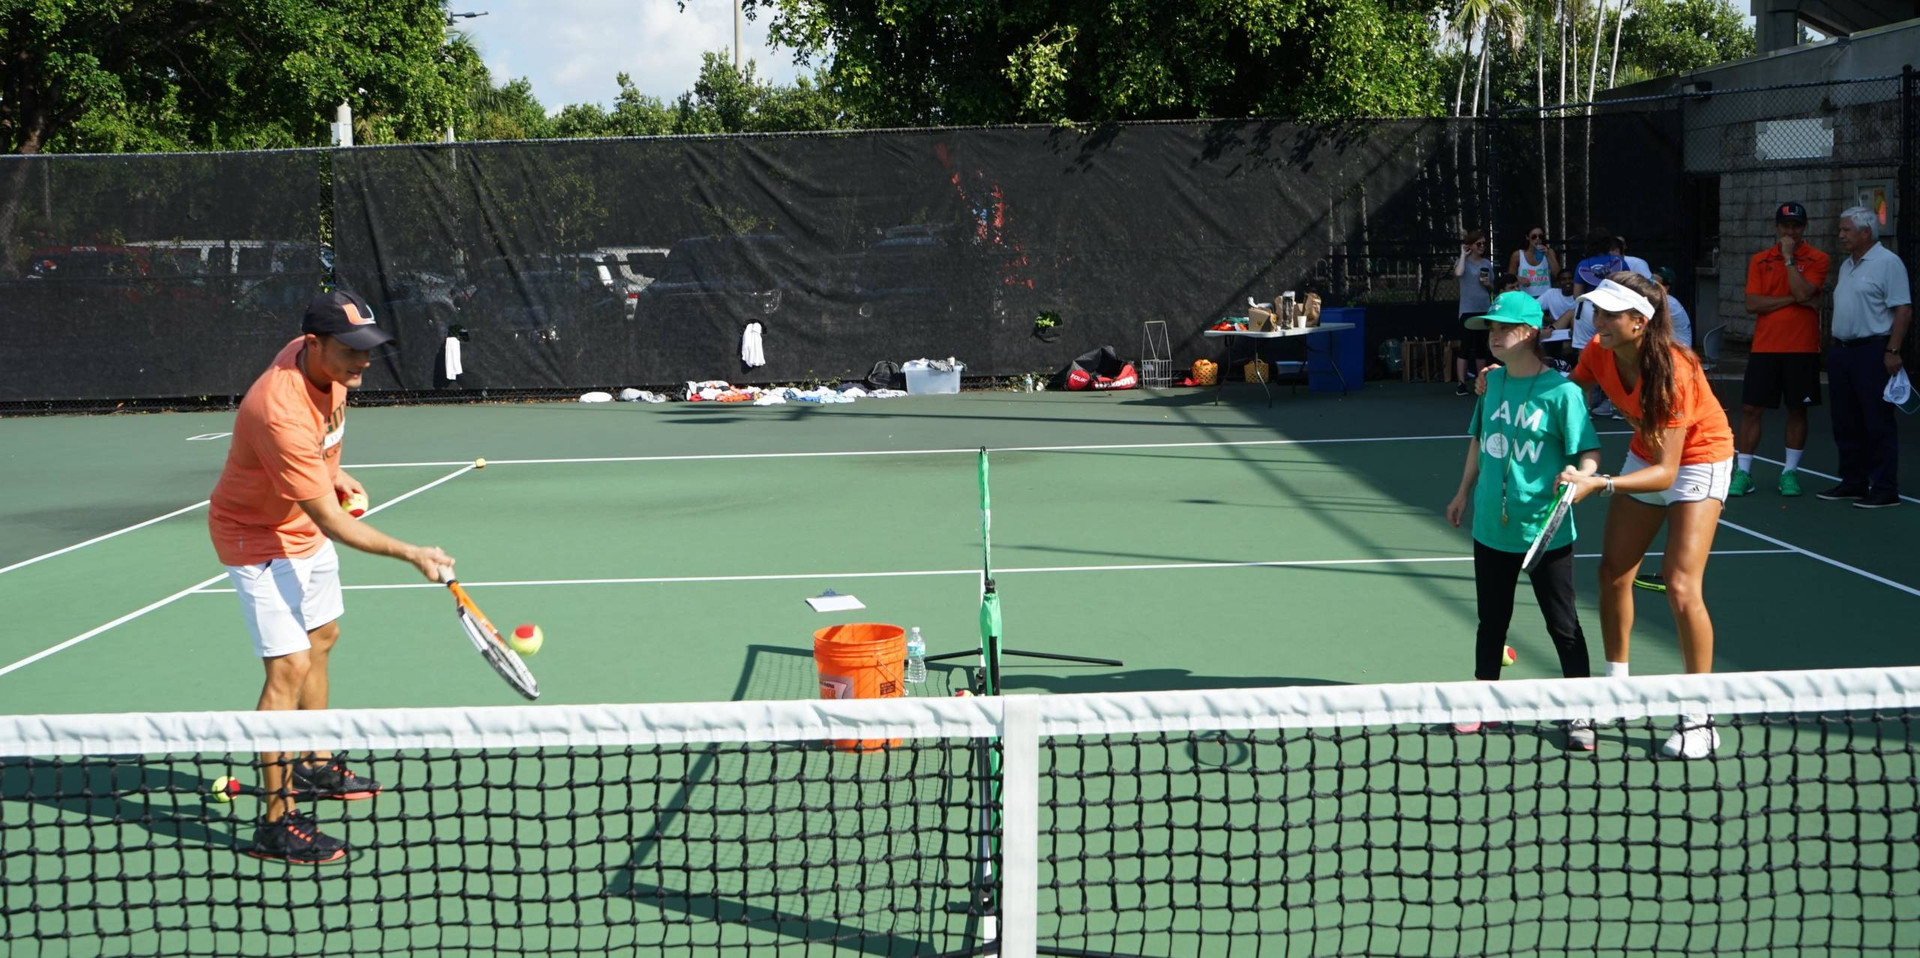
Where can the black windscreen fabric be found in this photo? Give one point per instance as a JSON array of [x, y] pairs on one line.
[[152, 276], [600, 263]]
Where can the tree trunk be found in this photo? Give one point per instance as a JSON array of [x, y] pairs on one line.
[[1460, 83], [1619, 22], [1593, 71], [1561, 14], [1540, 129], [1480, 74]]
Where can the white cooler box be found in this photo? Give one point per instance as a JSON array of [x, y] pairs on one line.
[[924, 380]]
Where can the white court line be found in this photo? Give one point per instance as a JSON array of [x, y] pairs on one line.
[[968, 450], [1883, 580], [102, 538], [1152, 567], [183, 593], [1810, 472]]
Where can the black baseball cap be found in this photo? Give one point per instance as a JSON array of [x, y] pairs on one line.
[[347, 318], [1790, 212]]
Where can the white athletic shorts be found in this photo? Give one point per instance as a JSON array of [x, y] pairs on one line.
[[285, 599], [1695, 483]]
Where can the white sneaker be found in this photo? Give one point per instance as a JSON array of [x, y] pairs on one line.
[[1604, 409], [1580, 735], [1693, 737]]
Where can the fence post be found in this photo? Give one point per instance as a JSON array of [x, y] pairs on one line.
[[1908, 205]]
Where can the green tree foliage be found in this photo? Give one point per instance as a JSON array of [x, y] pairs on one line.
[[1665, 37], [912, 62], [124, 75]]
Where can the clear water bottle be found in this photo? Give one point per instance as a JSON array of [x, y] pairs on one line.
[[916, 657]]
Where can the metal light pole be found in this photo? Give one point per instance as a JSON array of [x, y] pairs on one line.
[[737, 18], [451, 19]]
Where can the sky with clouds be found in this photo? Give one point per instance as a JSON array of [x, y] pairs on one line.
[[571, 49]]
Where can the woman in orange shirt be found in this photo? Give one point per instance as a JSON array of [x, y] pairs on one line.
[[1678, 467]]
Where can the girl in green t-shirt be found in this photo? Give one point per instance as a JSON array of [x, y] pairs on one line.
[[1529, 425]]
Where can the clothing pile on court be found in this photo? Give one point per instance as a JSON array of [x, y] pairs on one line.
[[717, 390]]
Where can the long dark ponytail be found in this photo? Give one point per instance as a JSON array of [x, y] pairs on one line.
[[1661, 361]]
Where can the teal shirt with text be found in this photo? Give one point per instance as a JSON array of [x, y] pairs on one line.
[[1529, 430]]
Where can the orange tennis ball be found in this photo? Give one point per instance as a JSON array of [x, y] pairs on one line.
[[526, 639], [963, 693], [355, 503], [1506, 656]]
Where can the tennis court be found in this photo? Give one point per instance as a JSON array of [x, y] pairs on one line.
[[666, 552]]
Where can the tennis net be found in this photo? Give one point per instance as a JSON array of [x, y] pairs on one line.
[[1324, 820]]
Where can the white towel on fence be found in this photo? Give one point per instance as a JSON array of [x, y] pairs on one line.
[[453, 358], [751, 351]]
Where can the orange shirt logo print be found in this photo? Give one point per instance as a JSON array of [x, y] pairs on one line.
[[336, 431]]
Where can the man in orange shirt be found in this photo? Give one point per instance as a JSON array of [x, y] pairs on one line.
[[274, 517], [1784, 281]]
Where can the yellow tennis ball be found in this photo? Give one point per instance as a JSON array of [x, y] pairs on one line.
[[225, 788], [1506, 656], [526, 639], [479, 464], [355, 503]]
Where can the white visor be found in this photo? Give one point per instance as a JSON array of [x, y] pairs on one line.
[[1615, 298]]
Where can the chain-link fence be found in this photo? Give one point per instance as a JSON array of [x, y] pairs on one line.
[[1721, 164]]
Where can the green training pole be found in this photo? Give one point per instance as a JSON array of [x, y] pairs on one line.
[[990, 625]]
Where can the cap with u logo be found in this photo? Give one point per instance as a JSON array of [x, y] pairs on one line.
[[347, 318]]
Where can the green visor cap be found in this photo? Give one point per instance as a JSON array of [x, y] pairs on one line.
[[1514, 307]]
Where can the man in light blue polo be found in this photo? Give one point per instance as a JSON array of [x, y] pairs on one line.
[[1872, 309]]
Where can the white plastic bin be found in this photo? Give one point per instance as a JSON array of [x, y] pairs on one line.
[[924, 380]]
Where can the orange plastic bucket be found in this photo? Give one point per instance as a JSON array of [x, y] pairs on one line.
[[861, 660]]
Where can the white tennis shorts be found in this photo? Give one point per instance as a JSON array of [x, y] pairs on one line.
[[285, 599], [1696, 483]]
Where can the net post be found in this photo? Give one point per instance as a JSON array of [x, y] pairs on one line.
[[1020, 826]]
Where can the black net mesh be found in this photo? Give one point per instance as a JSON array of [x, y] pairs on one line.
[[681, 849]]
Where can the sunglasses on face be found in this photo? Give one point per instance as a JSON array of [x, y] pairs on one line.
[[1535, 236]]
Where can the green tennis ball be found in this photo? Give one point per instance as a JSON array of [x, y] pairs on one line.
[[526, 639], [1506, 656], [225, 788]]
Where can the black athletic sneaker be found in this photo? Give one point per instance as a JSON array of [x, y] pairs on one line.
[[331, 779], [1463, 389], [1844, 491], [1877, 499], [296, 840]]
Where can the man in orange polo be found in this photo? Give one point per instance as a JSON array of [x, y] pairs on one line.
[[275, 515], [1784, 284]]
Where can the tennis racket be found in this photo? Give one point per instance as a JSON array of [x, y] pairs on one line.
[[487, 639], [1541, 543]]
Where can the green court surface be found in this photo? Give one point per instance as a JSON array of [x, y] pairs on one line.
[[1204, 545], [666, 551]]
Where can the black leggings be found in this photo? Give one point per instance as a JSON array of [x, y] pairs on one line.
[[1496, 573]]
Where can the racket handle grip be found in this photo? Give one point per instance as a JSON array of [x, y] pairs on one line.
[[446, 574]]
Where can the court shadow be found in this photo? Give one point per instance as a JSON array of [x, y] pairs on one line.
[[166, 802], [734, 802]]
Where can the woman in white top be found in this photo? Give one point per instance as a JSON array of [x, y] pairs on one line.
[[1535, 264]]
